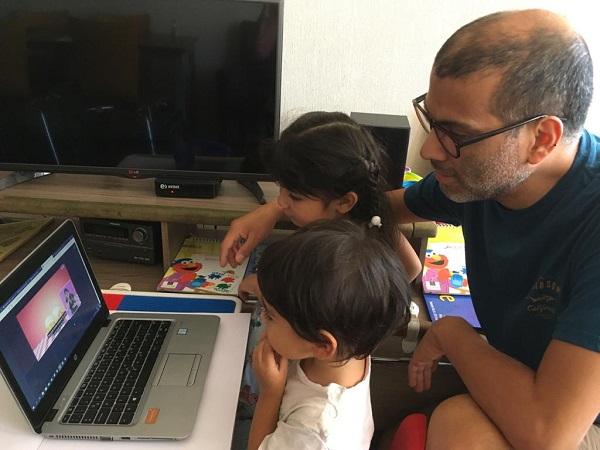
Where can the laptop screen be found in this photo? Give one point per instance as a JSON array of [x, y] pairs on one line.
[[42, 322]]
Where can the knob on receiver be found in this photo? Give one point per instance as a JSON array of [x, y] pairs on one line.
[[139, 235]]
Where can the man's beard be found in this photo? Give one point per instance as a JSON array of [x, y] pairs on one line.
[[481, 179]]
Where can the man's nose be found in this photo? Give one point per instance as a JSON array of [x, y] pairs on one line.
[[432, 149]]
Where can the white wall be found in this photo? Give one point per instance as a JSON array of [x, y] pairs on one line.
[[375, 55]]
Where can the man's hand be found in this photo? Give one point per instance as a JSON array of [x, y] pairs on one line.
[[270, 369], [246, 232], [424, 361]]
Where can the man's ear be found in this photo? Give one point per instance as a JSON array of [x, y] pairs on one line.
[[548, 132], [327, 349], [346, 202]]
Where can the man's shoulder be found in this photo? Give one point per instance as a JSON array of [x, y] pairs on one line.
[[589, 146]]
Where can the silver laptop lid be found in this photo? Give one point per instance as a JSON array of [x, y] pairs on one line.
[[52, 309]]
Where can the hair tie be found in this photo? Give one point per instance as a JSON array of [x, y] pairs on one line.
[[375, 222], [373, 169]]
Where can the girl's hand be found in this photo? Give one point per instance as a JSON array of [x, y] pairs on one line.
[[424, 361], [246, 232], [270, 368]]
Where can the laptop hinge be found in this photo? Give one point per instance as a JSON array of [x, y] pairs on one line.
[[106, 322], [51, 414]]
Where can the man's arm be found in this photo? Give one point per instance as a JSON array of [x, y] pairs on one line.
[[400, 211], [550, 409]]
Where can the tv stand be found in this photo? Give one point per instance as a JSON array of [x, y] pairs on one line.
[[255, 190], [112, 197], [11, 178]]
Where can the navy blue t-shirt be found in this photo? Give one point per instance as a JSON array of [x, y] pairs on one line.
[[534, 273]]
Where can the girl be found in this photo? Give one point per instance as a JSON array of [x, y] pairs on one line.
[[327, 166]]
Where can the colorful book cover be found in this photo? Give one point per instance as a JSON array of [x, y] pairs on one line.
[[444, 268], [451, 305], [196, 269]]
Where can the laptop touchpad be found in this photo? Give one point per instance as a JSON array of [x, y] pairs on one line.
[[180, 369]]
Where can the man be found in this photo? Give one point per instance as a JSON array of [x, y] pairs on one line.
[[507, 100], [505, 108]]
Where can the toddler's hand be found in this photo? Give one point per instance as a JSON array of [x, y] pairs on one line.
[[270, 368]]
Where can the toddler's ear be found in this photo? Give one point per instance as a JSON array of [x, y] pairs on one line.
[[346, 202], [326, 350]]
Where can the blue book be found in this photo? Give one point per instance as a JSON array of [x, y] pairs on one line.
[[440, 305], [178, 303]]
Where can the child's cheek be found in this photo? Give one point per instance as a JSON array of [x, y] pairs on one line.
[[272, 338]]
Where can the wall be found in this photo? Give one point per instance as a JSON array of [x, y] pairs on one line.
[[375, 55]]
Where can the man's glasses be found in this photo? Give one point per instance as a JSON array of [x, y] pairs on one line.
[[453, 143]]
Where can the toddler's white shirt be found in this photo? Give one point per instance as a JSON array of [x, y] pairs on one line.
[[322, 417]]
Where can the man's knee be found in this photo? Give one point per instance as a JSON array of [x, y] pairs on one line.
[[458, 423]]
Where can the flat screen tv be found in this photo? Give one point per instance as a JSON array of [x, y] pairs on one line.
[[142, 88]]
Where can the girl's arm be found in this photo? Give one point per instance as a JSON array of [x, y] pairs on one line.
[[400, 211], [409, 258]]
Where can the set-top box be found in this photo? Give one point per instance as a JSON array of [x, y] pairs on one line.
[[130, 241]]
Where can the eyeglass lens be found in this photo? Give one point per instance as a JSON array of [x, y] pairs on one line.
[[447, 143]]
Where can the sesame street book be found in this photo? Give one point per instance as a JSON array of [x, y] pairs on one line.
[[440, 305], [196, 269], [445, 269], [445, 282]]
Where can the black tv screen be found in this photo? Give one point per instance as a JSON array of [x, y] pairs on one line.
[[139, 87]]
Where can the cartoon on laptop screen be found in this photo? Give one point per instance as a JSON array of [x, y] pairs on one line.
[[78, 372]]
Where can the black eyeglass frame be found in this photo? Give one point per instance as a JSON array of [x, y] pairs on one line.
[[458, 142]]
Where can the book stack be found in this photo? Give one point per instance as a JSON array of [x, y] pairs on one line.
[[445, 280]]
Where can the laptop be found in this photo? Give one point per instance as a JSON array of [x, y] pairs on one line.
[[78, 372]]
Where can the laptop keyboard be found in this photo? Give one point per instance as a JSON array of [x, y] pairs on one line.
[[111, 391]]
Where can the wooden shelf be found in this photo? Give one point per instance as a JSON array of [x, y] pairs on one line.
[[114, 197]]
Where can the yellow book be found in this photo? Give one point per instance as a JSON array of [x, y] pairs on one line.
[[196, 269], [444, 268]]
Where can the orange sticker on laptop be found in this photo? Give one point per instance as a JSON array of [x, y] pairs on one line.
[[152, 415]]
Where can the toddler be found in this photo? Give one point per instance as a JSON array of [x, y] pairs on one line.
[[329, 294]]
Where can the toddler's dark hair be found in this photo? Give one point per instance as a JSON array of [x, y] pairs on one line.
[[337, 276], [326, 155]]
